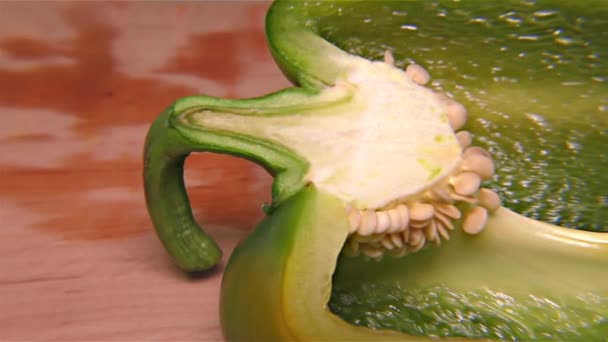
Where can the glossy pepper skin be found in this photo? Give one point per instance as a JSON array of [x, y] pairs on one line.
[[278, 281]]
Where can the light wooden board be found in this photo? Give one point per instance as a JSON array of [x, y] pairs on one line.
[[80, 84]]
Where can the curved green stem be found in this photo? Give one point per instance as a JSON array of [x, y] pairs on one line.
[[191, 124], [183, 129], [165, 152]]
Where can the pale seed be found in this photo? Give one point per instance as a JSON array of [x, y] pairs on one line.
[[420, 244], [396, 240], [466, 183], [405, 235], [443, 220], [457, 115], [464, 139], [449, 211], [421, 211], [395, 217], [369, 220], [479, 164], [354, 218], [442, 231], [441, 194], [475, 220], [430, 232], [475, 150], [386, 242], [488, 199], [384, 222], [372, 252], [468, 199], [418, 74], [388, 58], [419, 224], [416, 236], [404, 213]]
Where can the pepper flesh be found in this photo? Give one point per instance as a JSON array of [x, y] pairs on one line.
[[290, 282], [288, 262]]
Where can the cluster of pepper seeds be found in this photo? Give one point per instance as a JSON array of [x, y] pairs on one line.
[[408, 227]]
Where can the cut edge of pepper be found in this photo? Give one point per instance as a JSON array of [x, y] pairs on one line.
[[297, 252]]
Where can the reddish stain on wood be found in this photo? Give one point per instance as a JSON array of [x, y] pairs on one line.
[[78, 258], [236, 193], [91, 87], [211, 55]]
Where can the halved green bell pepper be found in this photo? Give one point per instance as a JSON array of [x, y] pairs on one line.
[[364, 137]]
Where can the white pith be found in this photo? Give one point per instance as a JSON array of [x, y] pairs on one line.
[[390, 141], [408, 225], [391, 152]]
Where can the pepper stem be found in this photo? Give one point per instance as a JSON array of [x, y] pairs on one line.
[[167, 200], [171, 139]]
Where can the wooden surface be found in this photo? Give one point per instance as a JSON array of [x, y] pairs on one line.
[[80, 84]]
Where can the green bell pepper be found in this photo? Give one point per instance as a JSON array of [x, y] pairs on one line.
[[385, 222]]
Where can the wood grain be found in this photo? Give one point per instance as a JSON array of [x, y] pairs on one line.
[[81, 82]]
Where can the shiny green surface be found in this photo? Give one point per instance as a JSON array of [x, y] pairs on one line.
[[440, 311], [518, 279], [533, 75]]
